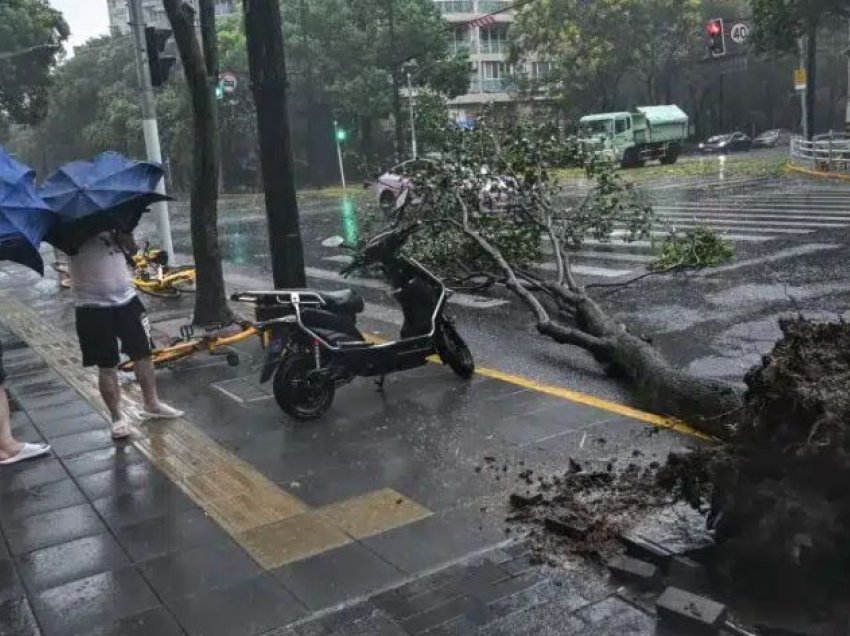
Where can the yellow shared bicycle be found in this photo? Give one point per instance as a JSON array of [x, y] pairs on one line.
[[215, 341], [152, 274]]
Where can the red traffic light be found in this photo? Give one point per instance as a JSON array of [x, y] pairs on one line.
[[715, 27]]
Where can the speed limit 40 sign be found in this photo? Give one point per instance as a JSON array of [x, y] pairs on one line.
[[739, 32]]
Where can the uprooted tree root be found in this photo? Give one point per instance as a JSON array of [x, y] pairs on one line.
[[780, 489]]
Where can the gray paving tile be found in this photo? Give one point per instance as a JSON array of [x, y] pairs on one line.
[[426, 544], [103, 599], [77, 559], [27, 475], [199, 569], [71, 425], [45, 399], [17, 619], [155, 622], [251, 607], [10, 585], [113, 457], [53, 496], [63, 411], [118, 481], [162, 535], [52, 528], [141, 505], [336, 576], [77, 443]]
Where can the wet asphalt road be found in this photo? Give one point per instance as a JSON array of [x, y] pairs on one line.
[[791, 243]]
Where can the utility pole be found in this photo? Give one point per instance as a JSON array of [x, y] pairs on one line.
[[847, 112], [804, 100], [412, 117], [811, 79], [149, 124], [395, 79], [267, 65]]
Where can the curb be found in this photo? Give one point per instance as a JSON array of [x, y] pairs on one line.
[[817, 173]]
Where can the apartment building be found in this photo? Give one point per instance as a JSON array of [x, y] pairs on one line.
[[154, 12], [493, 78]]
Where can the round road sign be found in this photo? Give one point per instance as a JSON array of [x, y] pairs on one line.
[[740, 32]]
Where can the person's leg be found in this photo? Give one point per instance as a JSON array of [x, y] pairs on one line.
[[134, 331], [96, 330], [110, 391], [9, 446]]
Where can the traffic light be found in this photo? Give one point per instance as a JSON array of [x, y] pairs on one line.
[[716, 37], [341, 135], [159, 64]]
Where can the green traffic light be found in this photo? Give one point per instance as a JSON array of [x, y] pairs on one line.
[[219, 91], [341, 135]]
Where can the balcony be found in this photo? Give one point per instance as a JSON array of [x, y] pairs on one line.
[[455, 6], [489, 6], [461, 46], [497, 85], [499, 47]]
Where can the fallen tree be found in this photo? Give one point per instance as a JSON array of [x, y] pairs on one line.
[[492, 206]]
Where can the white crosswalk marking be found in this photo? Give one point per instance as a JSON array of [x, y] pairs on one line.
[[745, 219]]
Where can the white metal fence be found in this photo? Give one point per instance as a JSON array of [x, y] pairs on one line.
[[824, 153]]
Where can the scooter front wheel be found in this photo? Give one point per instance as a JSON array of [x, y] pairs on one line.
[[299, 391], [454, 351]]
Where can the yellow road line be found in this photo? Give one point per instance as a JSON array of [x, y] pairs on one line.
[[593, 401]]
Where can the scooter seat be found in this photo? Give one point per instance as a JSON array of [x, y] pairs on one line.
[[346, 301]]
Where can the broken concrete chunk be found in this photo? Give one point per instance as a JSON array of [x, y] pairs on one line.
[[525, 501], [634, 571], [640, 548], [569, 526], [689, 613]]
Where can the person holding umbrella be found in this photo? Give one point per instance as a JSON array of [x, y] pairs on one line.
[[24, 220], [99, 203]]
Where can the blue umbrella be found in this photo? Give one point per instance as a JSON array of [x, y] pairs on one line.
[[110, 192], [24, 217]]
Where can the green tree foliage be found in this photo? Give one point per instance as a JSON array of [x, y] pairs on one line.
[[592, 46], [779, 23], [31, 37]]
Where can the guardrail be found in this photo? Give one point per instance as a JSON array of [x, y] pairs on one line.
[[825, 153]]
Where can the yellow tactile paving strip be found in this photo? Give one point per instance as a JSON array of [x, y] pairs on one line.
[[272, 525]]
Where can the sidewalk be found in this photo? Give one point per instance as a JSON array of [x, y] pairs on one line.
[[235, 520]]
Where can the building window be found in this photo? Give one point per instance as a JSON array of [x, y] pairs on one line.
[[540, 70], [494, 39], [496, 77], [459, 40]]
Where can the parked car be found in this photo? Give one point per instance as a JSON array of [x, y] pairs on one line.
[[730, 142], [389, 186], [771, 139]]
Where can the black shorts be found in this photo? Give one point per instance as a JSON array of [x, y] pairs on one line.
[[2, 370], [100, 329]]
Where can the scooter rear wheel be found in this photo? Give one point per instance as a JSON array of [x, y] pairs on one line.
[[298, 392], [454, 351]]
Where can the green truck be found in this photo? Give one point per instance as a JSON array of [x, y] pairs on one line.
[[633, 138]]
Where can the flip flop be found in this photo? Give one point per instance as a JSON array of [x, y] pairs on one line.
[[28, 451], [121, 429], [170, 414]]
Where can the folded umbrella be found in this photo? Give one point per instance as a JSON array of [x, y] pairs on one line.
[[110, 192], [24, 217]]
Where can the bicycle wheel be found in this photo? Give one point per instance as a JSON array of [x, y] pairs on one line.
[[164, 357], [154, 288]]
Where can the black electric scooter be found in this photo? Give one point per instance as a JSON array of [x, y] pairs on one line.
[[314, 345]]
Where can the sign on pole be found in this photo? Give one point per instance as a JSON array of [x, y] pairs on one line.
[[800, 79], [228, 83], [739, 32]]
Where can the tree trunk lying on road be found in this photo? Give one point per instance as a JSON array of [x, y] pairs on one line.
[[708, 405]]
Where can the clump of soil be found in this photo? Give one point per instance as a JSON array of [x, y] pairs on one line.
[[779, 492], [584, 512]]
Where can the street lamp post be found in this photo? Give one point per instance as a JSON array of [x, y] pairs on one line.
[[339, 136], [412, 117]]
